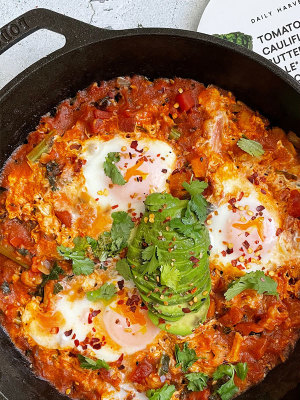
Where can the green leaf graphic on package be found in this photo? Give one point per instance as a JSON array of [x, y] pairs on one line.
[[168, 258], [239, 38]]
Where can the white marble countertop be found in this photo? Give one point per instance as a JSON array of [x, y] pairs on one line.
[[110, 14]]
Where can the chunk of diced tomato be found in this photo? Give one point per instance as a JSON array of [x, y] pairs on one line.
[[65, 218], [185, 100], [203, 395], [294, 204]]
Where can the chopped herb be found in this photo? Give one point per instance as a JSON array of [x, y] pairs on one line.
[[111, 170], [185, 357], [174, 134], [251, 147], [5, 288], [123, 269], [81, 264], [88, 363], [23, 252], [52, 276], [165, 393], [256, 280], [57, 288], [111, 243], [170, 276], [43, 147], [52, 171], [163, 367], [197, 204], [229, 389], [149, 255], [105, 292], [197, 381]]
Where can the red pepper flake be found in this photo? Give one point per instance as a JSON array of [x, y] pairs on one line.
[[69, 333], [121, 284], [254, 178], [76, 342], [92, 315], [210, 247], [130, 156], [194, 259], [246, 244], [241, 196], [94, 330], [241, 267], [260, 208], [74, 336], [263, 191], [84, 346], [54, 330], [232, 201], [223, 253], [115, 206], [134, 145], [186, 310], [164, 170], [247, 234], [167, 220], [120, 302], [161, 321], [97, 346], [229, 251], [234, 263], [193, 290], [278, 232]]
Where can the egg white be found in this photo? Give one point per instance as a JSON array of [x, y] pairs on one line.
[[74, 325], [229, 243], [157, 160]]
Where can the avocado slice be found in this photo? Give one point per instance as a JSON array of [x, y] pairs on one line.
[[172, 237], [185, 325]]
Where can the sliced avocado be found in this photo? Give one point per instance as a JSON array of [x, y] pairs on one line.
[[185, 325], [177, 238]]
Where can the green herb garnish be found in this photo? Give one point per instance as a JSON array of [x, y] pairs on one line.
[[165, 393], [185, 357], [251, 147], [111, 243], [163, 367], [169, 276], [123, 269], [5, 287], [111, 170], [197, 381], [105, 292], [174, 134], [88, 363], [81, 265], [229, 389], [256, 280], [57, 288]]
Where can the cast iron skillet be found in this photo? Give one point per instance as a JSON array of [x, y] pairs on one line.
[[93, 54]]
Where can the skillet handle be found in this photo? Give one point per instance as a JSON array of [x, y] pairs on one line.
[[75, 32]]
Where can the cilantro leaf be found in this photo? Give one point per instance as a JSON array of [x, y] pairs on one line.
[[251, 147], [195, 187], [111, 243], [241, 370], [111, 170], [197, 204], [229, 389], [105, 292], [81, 265], [197, 381], [169, 276], [57, 288], [164, 393], [257, 280], [89, 363], [185, 357], [164, 363], [123, 269], [150, 254]]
